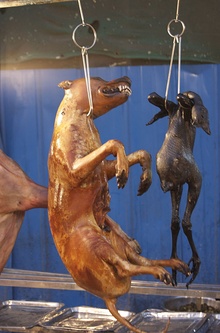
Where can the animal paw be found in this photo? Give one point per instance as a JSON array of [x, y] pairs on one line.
[[180, 266], [164, 276], [122, 179], [174, 276], [195, 269], [145, 181]]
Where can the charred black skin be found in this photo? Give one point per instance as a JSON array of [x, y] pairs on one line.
[[176, 165]]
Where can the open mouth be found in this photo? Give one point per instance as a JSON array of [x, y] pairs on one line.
[[120, 89]]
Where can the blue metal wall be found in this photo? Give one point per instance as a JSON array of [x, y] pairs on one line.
[[29, 100]]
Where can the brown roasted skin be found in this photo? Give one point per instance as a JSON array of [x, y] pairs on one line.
[[176, 164], [18, 193], [98, 254]]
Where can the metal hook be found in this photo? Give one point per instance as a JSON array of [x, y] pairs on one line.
[[170, 69], [94, 34], [169, 27], [176, 39], [85, 57]]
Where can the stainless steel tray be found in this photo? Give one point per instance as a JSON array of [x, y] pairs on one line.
[[192, 304], [83, 318], [24, 314], [182, 322], [215, 328]]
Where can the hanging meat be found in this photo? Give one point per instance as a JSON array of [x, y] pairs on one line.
[[18, 193], [176, 165], [100, 257]]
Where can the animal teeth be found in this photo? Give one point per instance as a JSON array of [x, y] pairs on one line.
[[124, 89]]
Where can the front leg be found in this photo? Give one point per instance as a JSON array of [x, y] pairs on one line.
[[144, 158], [141, 157], [80, 168]]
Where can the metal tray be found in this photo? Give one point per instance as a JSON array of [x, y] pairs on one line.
[[192, 304], [215, 328], [83, 318], [24, 314], [182, 322]]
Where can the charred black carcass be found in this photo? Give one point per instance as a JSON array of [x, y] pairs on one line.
[[176, 164]]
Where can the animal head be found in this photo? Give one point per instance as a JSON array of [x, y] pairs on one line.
[[167, 108], [105, 95], [199, 113]]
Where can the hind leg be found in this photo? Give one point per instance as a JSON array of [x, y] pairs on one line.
[[127, 269], [129, 263], [113, 226], [175, 222], [175, 263], [192, 197]]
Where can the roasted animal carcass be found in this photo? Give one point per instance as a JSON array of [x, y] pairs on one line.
[[98, 254], [176, 164], [18, 193]]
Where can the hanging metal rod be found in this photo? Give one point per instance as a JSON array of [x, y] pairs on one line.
[[16, 3], [33, 279]]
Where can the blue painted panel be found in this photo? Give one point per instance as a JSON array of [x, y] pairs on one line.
[[29, 100]]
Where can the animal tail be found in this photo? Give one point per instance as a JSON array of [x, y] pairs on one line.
[[110, 303]]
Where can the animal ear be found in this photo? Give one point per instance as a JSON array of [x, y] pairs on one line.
[[65, 84]]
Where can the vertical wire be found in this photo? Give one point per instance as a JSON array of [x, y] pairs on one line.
[[170, 69], [81, 13], [177, 10], [85, 60], [179, 65], [178, 39]]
